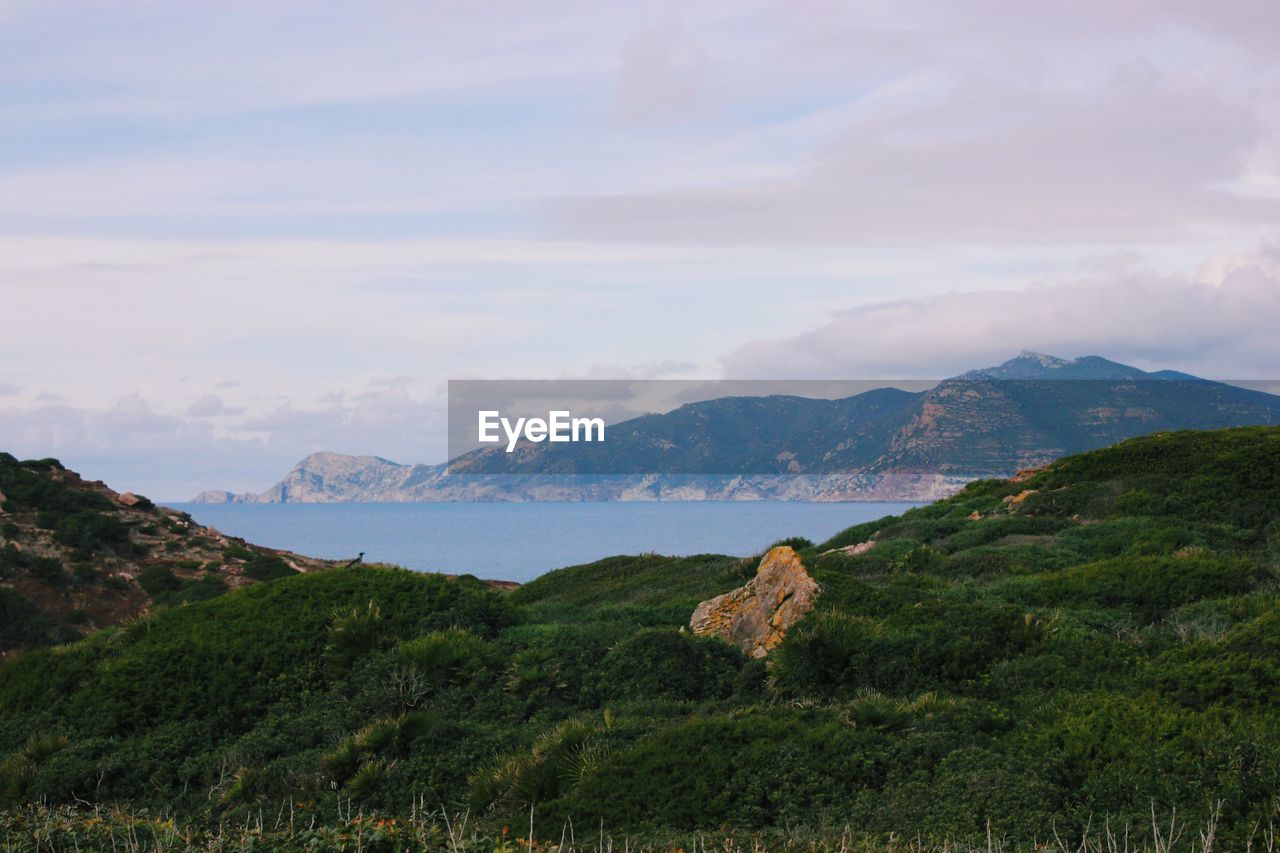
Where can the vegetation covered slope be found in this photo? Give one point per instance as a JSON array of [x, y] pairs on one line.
[[1089, 643], [76, 556]]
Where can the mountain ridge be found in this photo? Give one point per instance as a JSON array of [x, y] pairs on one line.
[[883, 444]]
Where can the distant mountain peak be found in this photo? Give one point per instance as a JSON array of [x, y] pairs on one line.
[[1044, 360], [883, 444], [1037, 365], [329, 458]]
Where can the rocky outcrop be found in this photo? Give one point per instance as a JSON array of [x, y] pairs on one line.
[[223, 497], [1015, 500], [756, 617], [852, 550]]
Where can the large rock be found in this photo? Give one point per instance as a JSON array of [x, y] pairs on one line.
[[755, 617]]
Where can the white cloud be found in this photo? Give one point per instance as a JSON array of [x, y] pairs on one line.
[[211, 406], [216, 267], [1141, 157], [1219, 324], [662, 76]]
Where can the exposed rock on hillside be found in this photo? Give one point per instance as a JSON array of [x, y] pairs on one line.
[[76, 556], [883, 444], [755, 617]]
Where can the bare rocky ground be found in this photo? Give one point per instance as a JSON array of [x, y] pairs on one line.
[[80, 590]]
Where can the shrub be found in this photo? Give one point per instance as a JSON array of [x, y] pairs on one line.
[[267, 567], [943, 644], [202, 589], [49, 570], [236, 552], [664, 663], [395, 736], [1148, 586], [444, 658], [919, 560], [351, 634], [22, 623], [91, 531], [750, 769], [155, 580], [558, 759], [1241, 670]]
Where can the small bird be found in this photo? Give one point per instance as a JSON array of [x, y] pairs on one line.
[[358, 559]]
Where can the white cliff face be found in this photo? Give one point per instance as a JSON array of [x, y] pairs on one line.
[[885, 444], [335, 478]]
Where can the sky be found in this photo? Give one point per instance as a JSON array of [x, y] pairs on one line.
[[235, 233]]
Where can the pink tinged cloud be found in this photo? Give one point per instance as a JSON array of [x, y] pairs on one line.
[[1222, 329]]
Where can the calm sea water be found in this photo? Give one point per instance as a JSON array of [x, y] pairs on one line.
[[519, 541]]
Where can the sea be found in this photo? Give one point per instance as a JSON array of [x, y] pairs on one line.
[[520, 541]]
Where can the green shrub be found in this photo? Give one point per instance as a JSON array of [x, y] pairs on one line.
[[22, 623], [664, 663], [756, 769], [267, 567], [943, 644], [353, 633], [558, 759], [236, 552], [155, 580], [394, 737], [90, 531], [921, 560], [1147, 586], [49, 570], [186, 591], [1241, 669], [444, 658]]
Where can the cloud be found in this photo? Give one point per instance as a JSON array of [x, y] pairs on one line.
[[1220, 325], [1142, 156], [211, 406], [132, 445], [663, 76], [232, 253]]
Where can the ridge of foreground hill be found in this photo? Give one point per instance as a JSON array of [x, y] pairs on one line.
[[76, 556], [1079, 650], [883, 444]]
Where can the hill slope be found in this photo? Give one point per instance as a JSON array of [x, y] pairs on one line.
[[76, 556], [884, 444], [1089, 643]]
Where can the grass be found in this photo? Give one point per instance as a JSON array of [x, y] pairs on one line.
[[988, 674]]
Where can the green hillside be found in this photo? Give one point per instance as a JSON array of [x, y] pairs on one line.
[[1078, 649], [76, 556]]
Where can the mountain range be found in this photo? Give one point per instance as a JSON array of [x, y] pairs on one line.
[[884, 444]]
